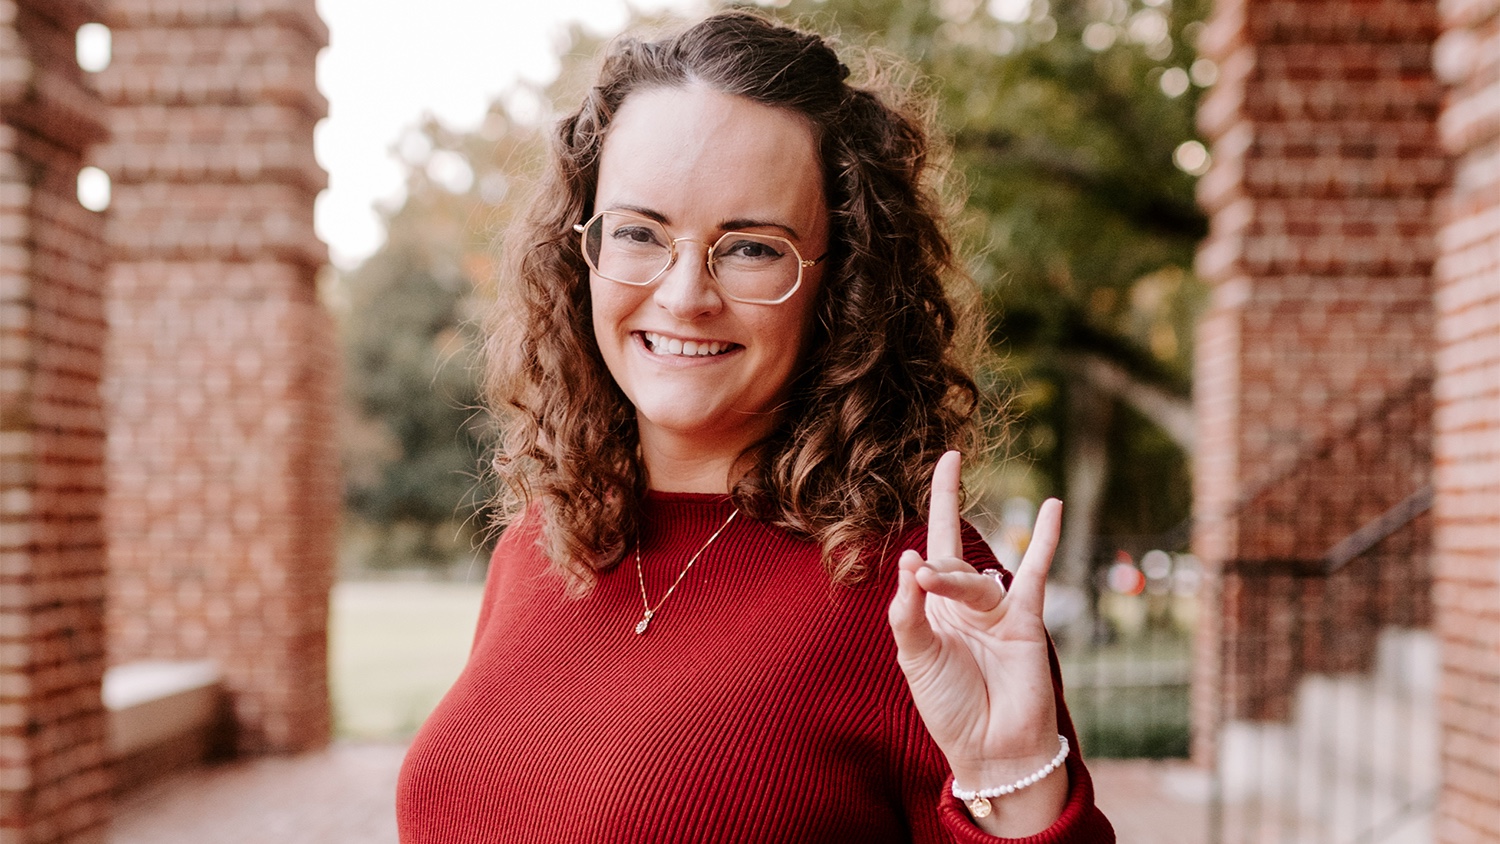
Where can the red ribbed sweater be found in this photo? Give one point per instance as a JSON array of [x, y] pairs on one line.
[[763, 705]]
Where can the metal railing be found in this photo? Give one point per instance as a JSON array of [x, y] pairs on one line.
[[1129, 679], [1326, 730]]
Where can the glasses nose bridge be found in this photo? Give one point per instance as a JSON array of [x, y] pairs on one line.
[[708, 253]]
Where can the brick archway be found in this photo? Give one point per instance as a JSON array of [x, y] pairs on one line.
[[167, 384]]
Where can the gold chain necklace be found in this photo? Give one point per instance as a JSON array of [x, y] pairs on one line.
[[640, 626]]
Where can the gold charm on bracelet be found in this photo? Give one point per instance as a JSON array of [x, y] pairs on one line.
[[978, 802]]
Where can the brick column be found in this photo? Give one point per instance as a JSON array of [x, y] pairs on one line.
[[220, 387], [1467, 423], [1320, 251], [53, 781]]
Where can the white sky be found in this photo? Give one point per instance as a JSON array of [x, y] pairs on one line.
[[389, 62]]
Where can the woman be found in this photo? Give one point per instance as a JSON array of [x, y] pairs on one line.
[[727, 368]]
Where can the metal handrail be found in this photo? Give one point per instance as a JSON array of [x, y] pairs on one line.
[[1382, 829], [1370, 534], [1416, 383]]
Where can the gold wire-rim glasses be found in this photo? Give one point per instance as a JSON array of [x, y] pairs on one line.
[[802, 263]]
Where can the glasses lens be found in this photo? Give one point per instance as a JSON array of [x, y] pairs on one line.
[[627, 248], [755, 267]]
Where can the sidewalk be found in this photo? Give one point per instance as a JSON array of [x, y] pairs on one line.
[[1153, 801], [343, 795]]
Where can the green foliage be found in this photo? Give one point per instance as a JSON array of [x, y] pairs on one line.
[[403, 347], [417, 439], [1079, 227]]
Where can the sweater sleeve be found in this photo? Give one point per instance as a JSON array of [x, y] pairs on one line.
[[1081, 822]]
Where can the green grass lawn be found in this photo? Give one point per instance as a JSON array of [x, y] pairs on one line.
[[395, 647], [1129, 699]]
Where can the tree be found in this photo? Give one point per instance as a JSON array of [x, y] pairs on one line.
[[417, 437]]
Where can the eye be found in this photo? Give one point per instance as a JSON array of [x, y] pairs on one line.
[[749, 250], [636, 235]]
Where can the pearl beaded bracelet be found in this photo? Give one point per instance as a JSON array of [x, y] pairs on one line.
[[978, 801]]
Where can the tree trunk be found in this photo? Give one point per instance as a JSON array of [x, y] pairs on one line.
[[1085, 471], [1173, 414]]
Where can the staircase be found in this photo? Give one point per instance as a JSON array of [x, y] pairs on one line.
[[1357, 763]]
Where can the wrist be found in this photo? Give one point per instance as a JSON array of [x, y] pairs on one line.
[[973, 774], [976, 794]]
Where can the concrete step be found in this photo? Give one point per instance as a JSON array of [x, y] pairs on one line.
[[1407, 660], [1276, 776], [1359, 753], [1377, 735], [1262, 823]]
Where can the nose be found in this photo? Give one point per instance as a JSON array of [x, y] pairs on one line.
[[687, 291]]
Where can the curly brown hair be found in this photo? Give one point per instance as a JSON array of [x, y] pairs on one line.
[[848, 464]]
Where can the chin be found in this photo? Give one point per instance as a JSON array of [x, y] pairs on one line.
[[706, 426]]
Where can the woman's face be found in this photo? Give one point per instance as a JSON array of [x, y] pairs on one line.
[[703, 163]]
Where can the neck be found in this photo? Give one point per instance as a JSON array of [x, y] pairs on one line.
[[688, 464]]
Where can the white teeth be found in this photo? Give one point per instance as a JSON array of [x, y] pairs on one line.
[[686, 348]]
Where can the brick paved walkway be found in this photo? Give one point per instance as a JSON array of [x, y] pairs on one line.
[[1152, 802], [343, 796]]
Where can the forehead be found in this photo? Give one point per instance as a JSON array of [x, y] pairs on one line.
[[699, 157]]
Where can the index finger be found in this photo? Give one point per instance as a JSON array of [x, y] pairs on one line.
[[943, 538]]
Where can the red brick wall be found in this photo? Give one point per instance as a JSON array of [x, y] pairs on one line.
[[1320, 252], [1467, 423], [220, 386], [53, 781]]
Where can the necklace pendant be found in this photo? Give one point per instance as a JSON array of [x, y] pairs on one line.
[[978, 807], [640, 576]]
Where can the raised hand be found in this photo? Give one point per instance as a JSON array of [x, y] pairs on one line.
[[975, 657]]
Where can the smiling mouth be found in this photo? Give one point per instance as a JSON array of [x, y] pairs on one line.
[[660, 345]]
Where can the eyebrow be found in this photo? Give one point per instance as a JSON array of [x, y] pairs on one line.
[[641, 210], [737, 224]]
